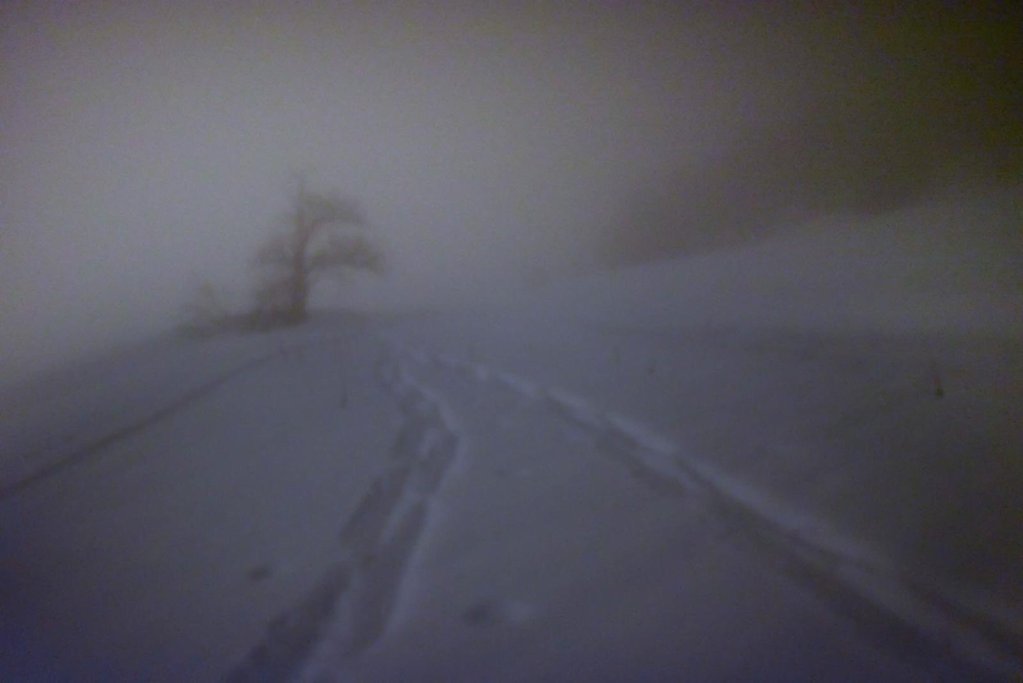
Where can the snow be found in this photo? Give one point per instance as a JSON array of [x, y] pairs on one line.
[[952, 263], [734, 466]]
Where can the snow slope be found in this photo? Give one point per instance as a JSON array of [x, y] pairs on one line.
[[732, 467], [952, 263]]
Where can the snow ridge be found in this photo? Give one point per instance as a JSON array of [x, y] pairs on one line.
[[941, 627], [351, 607], [39, 466], [24, 470]]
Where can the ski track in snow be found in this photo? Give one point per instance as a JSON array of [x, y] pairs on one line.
[[940, 628], [351, 607]]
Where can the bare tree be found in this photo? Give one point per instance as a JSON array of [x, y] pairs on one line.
[[292, 261]]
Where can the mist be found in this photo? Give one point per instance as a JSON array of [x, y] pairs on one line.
[[148, 147], [674, 341]]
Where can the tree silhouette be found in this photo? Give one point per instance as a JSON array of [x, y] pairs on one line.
[[291, 262]]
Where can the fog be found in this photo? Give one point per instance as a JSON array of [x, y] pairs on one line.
[[723, 372], [147, 147]]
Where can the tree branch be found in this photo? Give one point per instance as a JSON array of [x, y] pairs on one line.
[[349, 251]]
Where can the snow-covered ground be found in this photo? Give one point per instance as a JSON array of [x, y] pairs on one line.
[[760, 464]]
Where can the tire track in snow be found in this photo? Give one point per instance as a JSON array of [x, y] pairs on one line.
[[351, 607], [941, 630]]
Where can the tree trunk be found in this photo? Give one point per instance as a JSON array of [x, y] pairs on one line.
[[299, 290], [299, 296]]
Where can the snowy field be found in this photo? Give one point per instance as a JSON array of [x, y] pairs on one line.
[[756, 464]]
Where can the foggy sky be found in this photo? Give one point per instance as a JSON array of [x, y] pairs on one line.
[[146, 146]]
